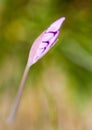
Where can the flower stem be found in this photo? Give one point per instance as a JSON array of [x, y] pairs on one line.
[[19, 95]]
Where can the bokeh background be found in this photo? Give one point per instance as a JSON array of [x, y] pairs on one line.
[[58, 91]]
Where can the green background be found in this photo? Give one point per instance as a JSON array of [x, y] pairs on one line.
[[58, 91]]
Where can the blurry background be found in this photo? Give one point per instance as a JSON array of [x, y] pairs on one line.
[[58, 91]]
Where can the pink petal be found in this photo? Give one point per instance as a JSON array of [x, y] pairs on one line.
[[56, 25], [34, 48], [47, 36]]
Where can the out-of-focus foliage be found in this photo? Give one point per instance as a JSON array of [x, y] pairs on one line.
[[59, 87]]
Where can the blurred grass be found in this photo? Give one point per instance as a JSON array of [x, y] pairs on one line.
[[58, 92]]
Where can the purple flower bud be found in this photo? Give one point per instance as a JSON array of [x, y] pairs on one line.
[[44, 42], [40, 47]]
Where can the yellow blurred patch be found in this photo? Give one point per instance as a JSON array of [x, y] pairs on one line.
[[15, 31]]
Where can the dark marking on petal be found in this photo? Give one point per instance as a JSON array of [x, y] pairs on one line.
[[45, 42], [43, 49], [53, 32]]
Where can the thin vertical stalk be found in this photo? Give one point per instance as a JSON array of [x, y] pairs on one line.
[[19, 95]]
